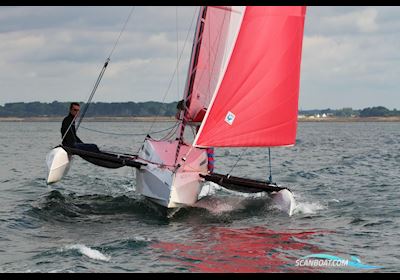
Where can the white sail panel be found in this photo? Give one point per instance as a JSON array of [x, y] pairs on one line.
[[217, 41]]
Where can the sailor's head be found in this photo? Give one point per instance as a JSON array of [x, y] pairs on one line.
[[74, 108]]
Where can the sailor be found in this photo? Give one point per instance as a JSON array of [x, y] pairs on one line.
[[68, 131], [180, 107]]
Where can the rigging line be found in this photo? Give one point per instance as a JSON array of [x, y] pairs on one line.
[[69, 127], [126, 134], [213, 46], [237, 161], [173, 75], [120, 154], [177, 52], [96, 85], [102, 72], [170, 133], [123, 29], [194, 59], [270, 166], [183, 159]]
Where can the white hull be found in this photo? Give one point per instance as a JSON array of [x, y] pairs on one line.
[[58, 163], [284, 201], [159, 181]]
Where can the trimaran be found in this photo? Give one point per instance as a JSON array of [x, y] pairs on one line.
[[242, 90]]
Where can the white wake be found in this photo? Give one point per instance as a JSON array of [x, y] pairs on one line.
[[90, 253]]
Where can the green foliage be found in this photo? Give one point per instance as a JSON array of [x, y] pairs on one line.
[[376, 112], [152, 108], [379, 111], [96, 109]]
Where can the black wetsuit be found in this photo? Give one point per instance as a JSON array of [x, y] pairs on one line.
[[71, 138]]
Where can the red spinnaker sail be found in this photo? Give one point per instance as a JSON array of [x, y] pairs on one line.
[[256, 99]]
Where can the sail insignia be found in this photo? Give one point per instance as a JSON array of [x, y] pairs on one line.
[[230, 117]]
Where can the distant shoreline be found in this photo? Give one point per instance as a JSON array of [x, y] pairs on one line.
[[350, 119], [89, 119], [172, 119]]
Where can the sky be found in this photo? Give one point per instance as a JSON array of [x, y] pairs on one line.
[[351, 55]]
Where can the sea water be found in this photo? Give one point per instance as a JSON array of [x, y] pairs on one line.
[[345, 178]]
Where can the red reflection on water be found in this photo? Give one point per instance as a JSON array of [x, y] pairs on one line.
[[242, 250]]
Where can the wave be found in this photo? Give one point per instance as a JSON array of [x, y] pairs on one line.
[[215, 202], [220, 206], [218, 200], [89, 252], [55, 206], [308, 207]]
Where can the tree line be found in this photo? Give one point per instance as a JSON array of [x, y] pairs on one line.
[[378, 111], [153, 108], [96, 109]]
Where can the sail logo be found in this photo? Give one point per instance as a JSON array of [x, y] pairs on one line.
[[333, 261], [230, 117]]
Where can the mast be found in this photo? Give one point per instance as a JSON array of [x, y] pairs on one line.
[[191, 76]]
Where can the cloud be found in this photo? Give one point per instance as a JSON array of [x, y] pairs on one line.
[[58, 52], [350, 54], [362, 20], [350, 58]]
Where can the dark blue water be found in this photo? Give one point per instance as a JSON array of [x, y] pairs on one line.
[[345, 177]]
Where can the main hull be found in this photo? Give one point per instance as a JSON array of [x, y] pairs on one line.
[[163, 181]]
